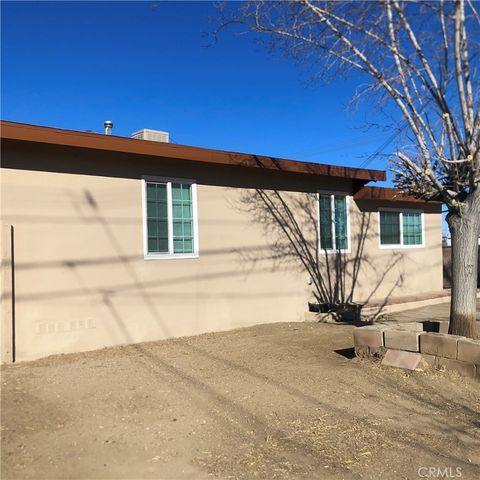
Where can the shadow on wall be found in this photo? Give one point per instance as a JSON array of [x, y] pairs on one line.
[[447, 267], [290, 223], [129, 283]]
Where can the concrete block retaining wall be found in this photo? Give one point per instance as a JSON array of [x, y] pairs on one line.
[[438, 350]]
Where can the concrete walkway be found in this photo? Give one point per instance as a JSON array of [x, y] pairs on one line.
[[440, 311]]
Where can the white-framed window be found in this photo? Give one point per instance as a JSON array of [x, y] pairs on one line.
[[333, 222], [401, 228], [170, 226]]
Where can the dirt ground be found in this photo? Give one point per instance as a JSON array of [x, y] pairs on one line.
[[275, 401]]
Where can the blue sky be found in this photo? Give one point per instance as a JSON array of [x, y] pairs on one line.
[[75, 64]]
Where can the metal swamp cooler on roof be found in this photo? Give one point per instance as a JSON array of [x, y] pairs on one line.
[[152, 135]]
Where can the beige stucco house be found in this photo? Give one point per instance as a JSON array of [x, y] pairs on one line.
[[109, 240]]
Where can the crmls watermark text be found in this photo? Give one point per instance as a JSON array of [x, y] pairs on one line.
[[440, 472]]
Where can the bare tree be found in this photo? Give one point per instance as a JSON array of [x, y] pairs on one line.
[[422, 58]]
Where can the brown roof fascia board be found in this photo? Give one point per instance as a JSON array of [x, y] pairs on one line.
[[76, 139], [388, 194]]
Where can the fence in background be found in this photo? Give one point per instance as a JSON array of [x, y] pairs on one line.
[[447, 267]]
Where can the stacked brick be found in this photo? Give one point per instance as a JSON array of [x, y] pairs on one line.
[[438, 350]]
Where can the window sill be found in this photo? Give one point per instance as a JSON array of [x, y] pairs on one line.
[[391, 247], [169, 256], [331, 251]]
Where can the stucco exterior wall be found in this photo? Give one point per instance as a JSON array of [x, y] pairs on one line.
[[81, 280], [386, 273]]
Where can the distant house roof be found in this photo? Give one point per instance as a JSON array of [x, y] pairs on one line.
[[12, 131]]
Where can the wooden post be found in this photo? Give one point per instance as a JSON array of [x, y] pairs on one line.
[[7, 294]]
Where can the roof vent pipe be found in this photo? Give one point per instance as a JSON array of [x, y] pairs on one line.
[[108, 127]]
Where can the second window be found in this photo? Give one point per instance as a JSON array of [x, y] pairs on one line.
[[333, 222]]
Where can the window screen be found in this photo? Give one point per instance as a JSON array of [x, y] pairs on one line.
[[412, 228], [157, 217], [182, 218], [326, 237], [390, 228], [341, 240]]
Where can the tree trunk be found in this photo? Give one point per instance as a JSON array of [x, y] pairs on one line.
[[464, 230]]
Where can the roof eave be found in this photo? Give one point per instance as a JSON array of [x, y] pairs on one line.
[[75, 139], [388, 194]]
